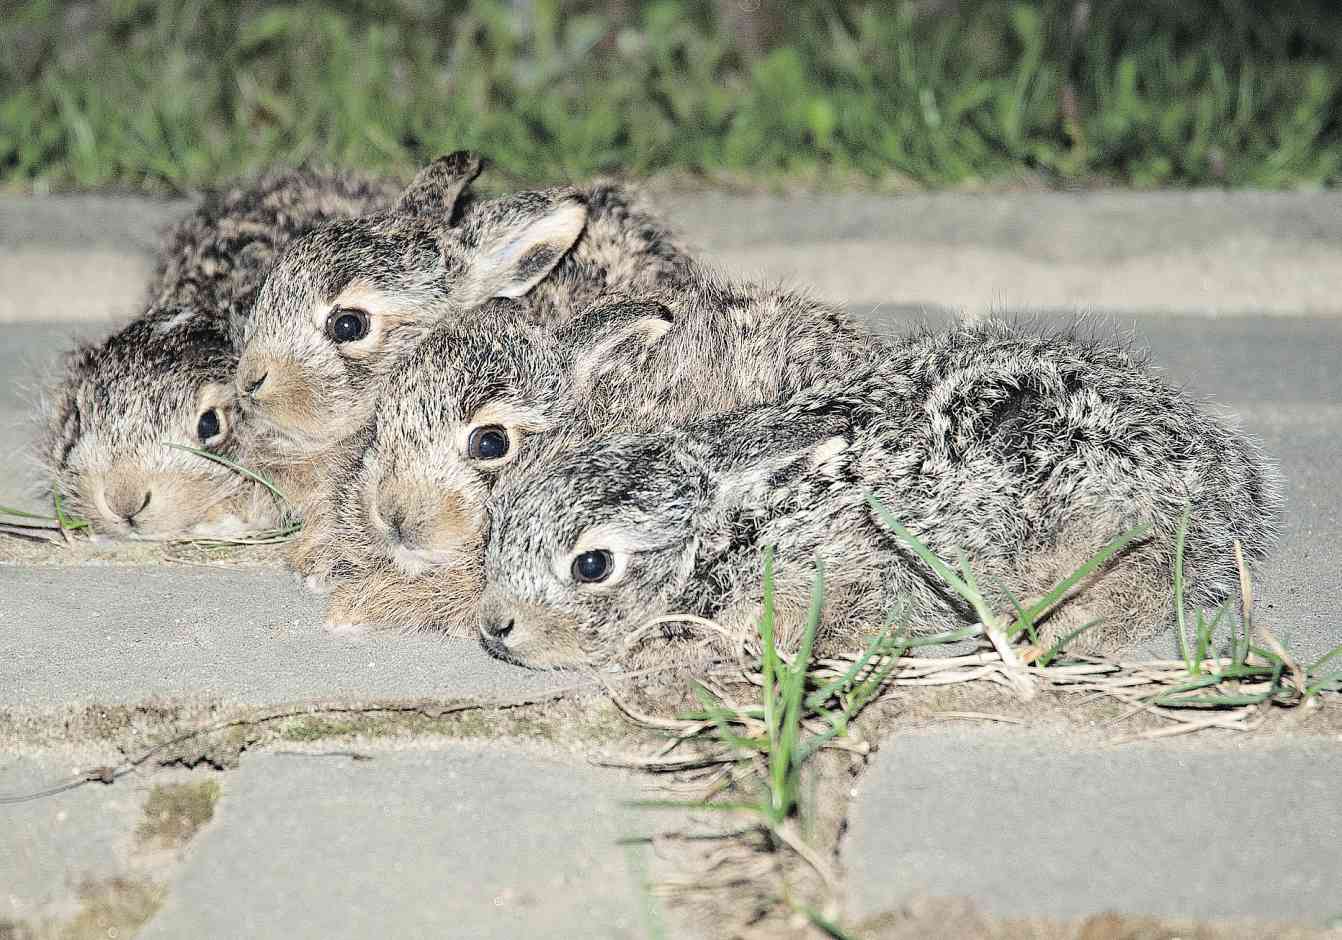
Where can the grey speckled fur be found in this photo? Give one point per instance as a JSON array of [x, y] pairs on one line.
[[418, 264], [118, 400], [706, 347], [1028, 453]]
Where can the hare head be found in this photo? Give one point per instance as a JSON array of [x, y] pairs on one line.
[[167, 378], [459, 411], [344, 302], [589, 545], [112, 425]]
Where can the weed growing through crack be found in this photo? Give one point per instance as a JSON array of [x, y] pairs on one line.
[[1258, 670], [794, 717], [806, 704]]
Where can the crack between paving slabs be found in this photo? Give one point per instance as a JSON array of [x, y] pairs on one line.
[[432, 710]]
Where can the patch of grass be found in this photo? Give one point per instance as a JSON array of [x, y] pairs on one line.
[[807, 704], [174, 813], [176, 94], [108, 908], [795, 717]]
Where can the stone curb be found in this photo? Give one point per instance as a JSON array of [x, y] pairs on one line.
[[85, 257]]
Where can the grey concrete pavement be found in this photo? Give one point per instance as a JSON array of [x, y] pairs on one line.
[[443, 839], [1049, 827], [439, 836], [466, 841], [52, 845], [1206, 253], [126, 635]]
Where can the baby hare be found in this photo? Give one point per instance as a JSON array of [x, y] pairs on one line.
[[344, 303], [1027, 453], [397, 529], [167, 377]]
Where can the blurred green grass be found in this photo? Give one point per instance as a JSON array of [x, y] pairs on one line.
[[177, 94]]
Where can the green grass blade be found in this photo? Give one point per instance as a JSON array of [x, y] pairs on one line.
[[653, 923], [1024, 622], [769, 666], [942, 569], [1329, 682], [1045, 603], [716, 805], [1326, 657], [1213, 701], [69, 523], [1201, 682], [823, 923], [1206, 630], [232, 465], [1060, 644], [881, 645], [23, 514], [969, 631], [784, 766], [721, 718]]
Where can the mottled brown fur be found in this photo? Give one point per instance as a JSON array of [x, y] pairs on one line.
[[119, 400]]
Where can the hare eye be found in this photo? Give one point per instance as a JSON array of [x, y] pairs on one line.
[[209, 426], [488, 443], [591, 567], [347, 325]]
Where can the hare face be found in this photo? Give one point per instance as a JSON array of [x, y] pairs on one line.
[[581, 555], [335, 309], [112, 434], [464, 407], [344, 303], [333, 315]]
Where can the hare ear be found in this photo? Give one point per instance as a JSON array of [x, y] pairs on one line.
[[599, 333], [435, 189], [519, 240], [813, 444]]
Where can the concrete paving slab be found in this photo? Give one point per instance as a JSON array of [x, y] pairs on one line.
[[1209, 252], [1052, 829], [111, 634], [52, 847], [459, 842]]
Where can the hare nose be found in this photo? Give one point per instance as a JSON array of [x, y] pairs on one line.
[[400, 535], [499, 631], [394, 518], [126, 503]]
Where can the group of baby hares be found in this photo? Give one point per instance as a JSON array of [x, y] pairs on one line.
[[538, 420]]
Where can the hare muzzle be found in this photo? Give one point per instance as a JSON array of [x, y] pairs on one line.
[[425, 527], [527, 635], [278, 393], [122, 499]]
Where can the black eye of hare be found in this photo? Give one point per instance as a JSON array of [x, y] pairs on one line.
[[591, 567], [347, 325], [488, 443], [208, 426]]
